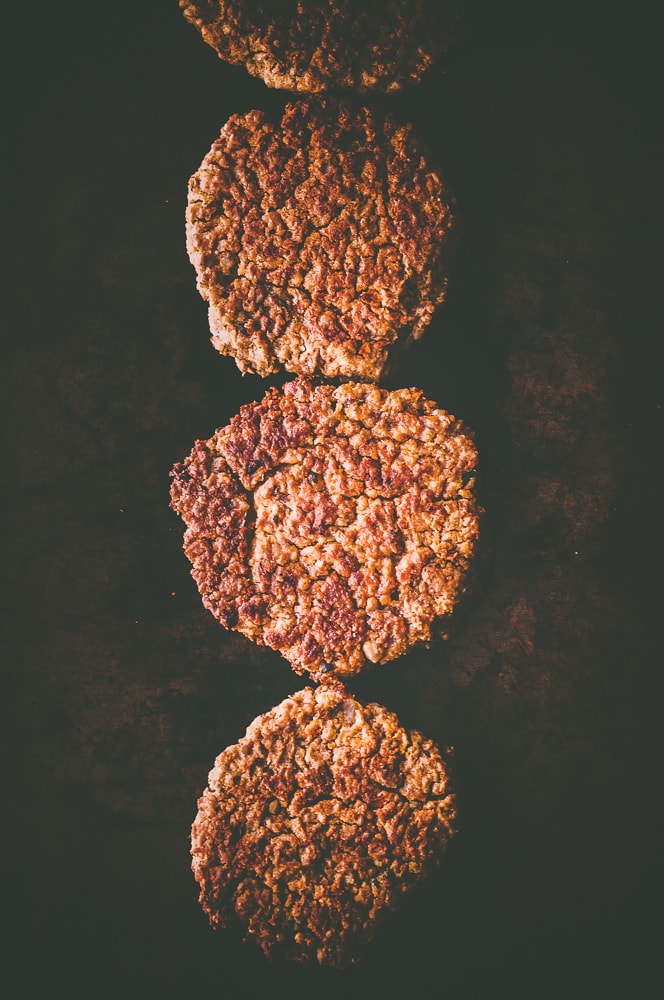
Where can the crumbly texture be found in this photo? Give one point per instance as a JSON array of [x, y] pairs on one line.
[[315, 823], [321, 243], [314, 45], [337, 525]]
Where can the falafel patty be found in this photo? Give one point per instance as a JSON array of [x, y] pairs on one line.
[[321, 243], [336, 525], [316, 821], [375, 46]]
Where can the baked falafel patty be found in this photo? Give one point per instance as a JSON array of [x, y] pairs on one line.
[[375, 46], [321, 243], [336, 525], [316, 822]]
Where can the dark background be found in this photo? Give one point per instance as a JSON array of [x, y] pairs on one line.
[[119, 689]]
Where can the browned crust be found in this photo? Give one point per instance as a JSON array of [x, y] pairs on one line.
[[365, 45], [319, 243], [336, 525], [316, 822]]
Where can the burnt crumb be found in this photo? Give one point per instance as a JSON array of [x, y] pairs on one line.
[[305, 45], [321, 243], [316, 821], [347, 566]]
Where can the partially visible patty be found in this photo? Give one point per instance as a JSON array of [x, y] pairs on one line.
[[320, 242], [315, 45], [337, 525], [315, 823]]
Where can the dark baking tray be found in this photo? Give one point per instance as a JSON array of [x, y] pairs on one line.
[[120, 688]]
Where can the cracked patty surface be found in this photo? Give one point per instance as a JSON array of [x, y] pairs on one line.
[[366, 45], [316, 821], [321, 242], [336, 525]]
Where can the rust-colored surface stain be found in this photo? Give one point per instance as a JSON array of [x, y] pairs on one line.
[[120, 689]]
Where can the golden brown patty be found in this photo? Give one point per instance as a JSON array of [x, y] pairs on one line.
[[319, 242], [316, 822], [313, 45], [337, 525]]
